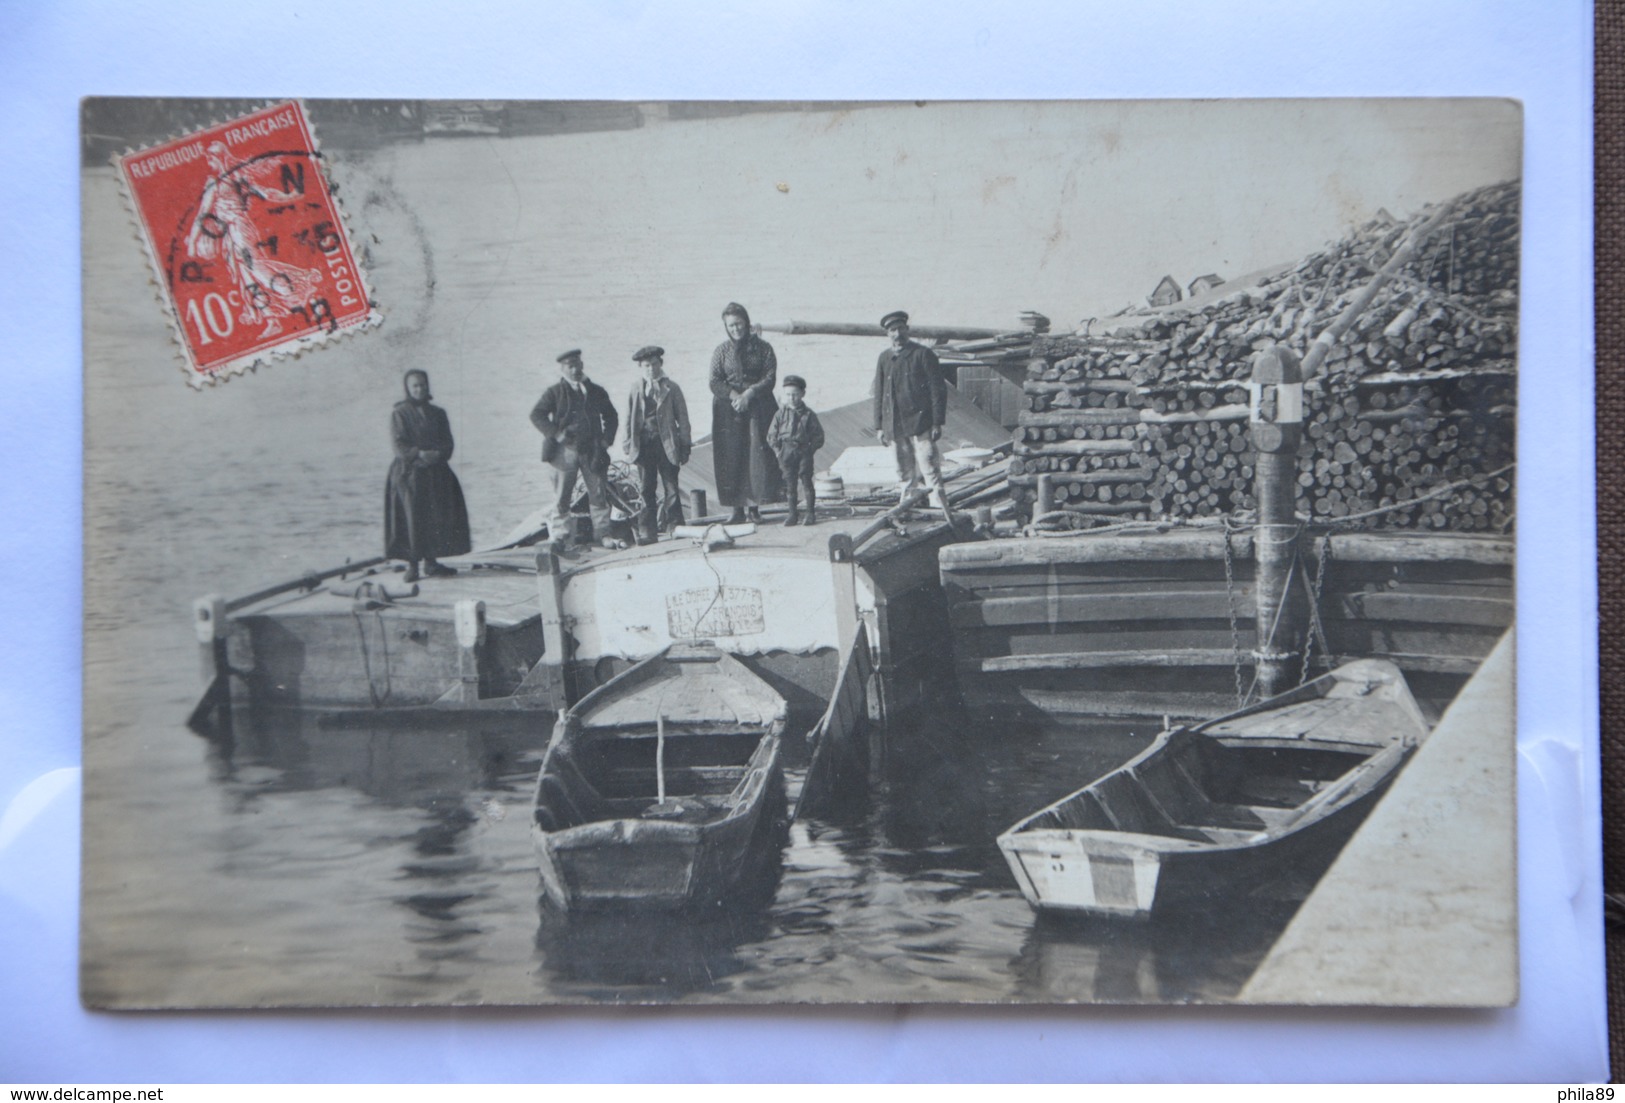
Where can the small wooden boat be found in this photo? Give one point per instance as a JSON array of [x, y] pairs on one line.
[[658, 784], [1278, 786]]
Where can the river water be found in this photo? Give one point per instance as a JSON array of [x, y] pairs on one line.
[[308, 866]]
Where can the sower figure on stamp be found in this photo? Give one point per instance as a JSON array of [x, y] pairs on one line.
[[910, 407], [424, 513], [795, 437], [743, 370], [577, 422], [658, 440]]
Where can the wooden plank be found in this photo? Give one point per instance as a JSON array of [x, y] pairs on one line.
[[974, 644], [1032, 582], [1397, 605], [1075, 609], [1411, 662], [1201, 544], [1099, 659], [1411, 547]]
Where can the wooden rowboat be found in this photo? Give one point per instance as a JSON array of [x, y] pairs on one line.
[[1208, 809], [657, 786]]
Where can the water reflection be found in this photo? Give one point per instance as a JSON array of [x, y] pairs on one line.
[[631, 956], [903, 896], [396, 762]]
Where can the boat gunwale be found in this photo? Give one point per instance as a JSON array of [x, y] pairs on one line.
[[1315, 808]]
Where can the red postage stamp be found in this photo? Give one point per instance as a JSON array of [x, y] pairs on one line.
[[247, 240]]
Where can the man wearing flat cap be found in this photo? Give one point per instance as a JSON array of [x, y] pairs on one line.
[[577, 422], [658, 440], [910, 407]]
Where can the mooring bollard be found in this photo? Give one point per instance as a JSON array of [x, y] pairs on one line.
[[1276, 423], [468, 618], [1046, 496], [212, 716], [210, 622], [548, 678], [697, 497]]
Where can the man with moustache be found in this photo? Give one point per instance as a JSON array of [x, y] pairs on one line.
[[577, 422]]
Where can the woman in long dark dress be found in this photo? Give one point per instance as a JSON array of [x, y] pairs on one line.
[[743, 371], [424, 513]]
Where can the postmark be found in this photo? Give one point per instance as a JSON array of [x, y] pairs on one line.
[[247, 241]]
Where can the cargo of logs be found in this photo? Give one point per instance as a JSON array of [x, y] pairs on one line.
[[1415, 402]]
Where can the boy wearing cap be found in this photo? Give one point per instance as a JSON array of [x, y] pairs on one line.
[[577, 421], [795, 437], [658, 440], [910, 407]]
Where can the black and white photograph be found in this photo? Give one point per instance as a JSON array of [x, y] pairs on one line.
[[777, 552]]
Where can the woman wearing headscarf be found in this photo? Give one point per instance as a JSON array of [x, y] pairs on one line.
[[424, 513], [743, 372]]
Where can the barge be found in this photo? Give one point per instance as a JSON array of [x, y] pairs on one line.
[[1153, 621], [523, 628]]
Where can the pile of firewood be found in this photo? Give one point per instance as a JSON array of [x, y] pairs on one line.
[[1410, 419]]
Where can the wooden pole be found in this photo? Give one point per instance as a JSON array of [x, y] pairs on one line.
[[1322, 346], [1276, 428], [859, 329], [308, 582]]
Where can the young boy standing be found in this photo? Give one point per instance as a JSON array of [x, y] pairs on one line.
[[795, 437]]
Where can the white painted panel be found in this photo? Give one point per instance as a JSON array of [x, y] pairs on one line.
[[747, 603]]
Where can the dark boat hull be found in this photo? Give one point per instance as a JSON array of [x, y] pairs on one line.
[[627, 864], [658, 786]]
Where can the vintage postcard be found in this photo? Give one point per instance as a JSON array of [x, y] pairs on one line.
[[705, 552]]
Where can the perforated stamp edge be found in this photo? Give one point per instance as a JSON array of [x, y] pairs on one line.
[[296, 344]]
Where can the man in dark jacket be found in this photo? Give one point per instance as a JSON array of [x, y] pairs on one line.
[[910, 407], [658, 439], [577, 422]]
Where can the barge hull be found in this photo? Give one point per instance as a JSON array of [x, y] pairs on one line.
[[1153, 624]]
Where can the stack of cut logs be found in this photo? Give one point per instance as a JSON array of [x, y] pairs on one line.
[[1149, 419]]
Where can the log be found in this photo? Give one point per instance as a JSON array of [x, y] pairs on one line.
[[860, 329], [1076, 448], [1094, 478], [1216, 413], [1329, 336]]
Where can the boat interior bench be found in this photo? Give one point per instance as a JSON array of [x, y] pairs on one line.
[[1200, 789], [618, 777]]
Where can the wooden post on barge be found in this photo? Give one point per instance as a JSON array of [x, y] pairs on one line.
[[1046, 496], [844, 569], [468, 618], [213, 712], [547, 677], [848, 623], [1276, 425]]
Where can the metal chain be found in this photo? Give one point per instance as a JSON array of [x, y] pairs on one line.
[[1235, 630], [1318, 630]]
